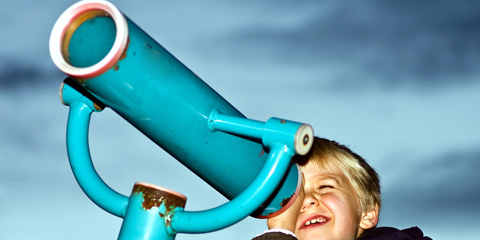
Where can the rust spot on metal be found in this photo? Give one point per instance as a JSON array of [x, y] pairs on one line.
[[154, 50], [155, 198], [81, 81], [98, 106], [78, 85], [123, 56], [261, 153], [285, 202]]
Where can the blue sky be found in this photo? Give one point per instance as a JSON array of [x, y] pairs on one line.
[[397, 81]]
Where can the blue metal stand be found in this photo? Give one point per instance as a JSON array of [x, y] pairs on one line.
[[152, 212], [111, 58], [113, 63]]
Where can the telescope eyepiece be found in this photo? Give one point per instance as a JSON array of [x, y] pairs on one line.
[[303, 139]]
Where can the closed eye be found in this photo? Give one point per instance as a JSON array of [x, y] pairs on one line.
[[325, 186]]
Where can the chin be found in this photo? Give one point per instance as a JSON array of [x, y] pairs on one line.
[[319, 235], [311, 235]]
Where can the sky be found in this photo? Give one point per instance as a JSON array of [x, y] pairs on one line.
[[396, 81]]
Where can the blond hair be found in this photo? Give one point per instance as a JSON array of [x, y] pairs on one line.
[[327, 154]]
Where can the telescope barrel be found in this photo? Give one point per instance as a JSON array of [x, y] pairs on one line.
[[122, 66]]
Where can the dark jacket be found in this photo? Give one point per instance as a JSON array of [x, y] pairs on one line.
[[389, 233], [380, 233]]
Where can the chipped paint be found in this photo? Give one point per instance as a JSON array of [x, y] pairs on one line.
[[155, 198], [124, 55], [285, 201], [154, 50], [261, 153]]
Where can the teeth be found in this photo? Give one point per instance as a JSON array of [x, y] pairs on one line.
[[316, 220]]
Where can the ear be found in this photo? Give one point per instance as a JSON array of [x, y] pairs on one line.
[[369, 218]]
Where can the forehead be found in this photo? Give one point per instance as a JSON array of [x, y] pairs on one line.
[[324, 172]]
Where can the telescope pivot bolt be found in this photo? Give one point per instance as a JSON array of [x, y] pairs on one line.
[[303, 139], [296, 136]]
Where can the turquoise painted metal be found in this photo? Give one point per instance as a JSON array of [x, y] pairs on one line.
[[148, 211], [81, 108], [112, 61], [238, 208], [145, 209]]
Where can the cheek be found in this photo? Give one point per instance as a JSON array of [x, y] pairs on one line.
[[345, 210]]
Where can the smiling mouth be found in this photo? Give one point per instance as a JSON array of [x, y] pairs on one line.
[[319, 220]]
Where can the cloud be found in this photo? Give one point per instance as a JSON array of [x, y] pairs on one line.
[[354, 45], [392, 43], [445, 185], [16, 72]]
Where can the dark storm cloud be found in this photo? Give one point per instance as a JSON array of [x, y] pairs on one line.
[[15, 73], [445, 186], [427, 43]]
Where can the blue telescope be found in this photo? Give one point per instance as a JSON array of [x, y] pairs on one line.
[[112, 63]]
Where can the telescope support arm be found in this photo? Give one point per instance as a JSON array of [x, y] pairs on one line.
[[296, 136], [241, 206], [283, 138], [81, 108], [115, 62]]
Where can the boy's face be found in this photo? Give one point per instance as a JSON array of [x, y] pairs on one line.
[[331, 207]]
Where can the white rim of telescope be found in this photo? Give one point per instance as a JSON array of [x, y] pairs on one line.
[[70, 20], [303, 139]]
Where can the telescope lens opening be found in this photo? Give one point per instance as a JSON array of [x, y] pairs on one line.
[[89, 39]]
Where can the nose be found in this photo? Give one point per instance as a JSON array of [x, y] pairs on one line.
[[309, 201]]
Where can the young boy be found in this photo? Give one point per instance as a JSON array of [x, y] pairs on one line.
[[341, 200]]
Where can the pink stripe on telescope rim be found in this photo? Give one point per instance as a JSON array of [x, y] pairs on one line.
[[64, 22], [290, 201]]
